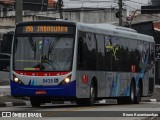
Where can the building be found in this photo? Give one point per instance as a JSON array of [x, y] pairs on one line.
[[155, 2]]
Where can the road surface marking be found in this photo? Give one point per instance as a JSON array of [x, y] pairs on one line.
[[6, 86]]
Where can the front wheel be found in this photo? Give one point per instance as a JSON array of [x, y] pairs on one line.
[[35, 102], [81, 102], [92, 98], [139, 94], [132, 93]]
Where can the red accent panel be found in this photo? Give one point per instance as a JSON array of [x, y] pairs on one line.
[[85, 79], [29, 73], [133, 68]]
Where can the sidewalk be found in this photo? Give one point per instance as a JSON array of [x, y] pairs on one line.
[[4, 83], [8, 101], [155, 97], [157, 86]]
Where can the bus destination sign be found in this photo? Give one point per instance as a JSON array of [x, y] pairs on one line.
[[45, 29], [41, 29]]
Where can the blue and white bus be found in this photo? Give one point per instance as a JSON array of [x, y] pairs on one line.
[[68, 61]]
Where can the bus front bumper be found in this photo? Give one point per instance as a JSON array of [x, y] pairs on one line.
[[68, 90]]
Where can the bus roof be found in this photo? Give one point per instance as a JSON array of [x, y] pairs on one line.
[[58, 21], [109, 29]]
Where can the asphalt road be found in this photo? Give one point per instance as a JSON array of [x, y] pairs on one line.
[[96, 112], [4, 83], [4, 78], [5, 90]]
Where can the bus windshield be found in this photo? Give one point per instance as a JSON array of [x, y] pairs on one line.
[[43, 53]]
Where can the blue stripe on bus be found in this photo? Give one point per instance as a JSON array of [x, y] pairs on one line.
[[142, 72], [68, 90]]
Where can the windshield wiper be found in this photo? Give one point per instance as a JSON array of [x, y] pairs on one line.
[[52, 63], [33, 45], [51, 48]]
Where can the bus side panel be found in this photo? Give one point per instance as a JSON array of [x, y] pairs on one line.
[[84, 79], [118, 84], [148, 83], [145, 84], [110, 84], [83, 84]]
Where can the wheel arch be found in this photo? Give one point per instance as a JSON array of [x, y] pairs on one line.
[[133, 81], [140, 84], [95, 82]]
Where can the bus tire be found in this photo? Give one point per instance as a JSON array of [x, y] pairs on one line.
[[122, 100], [35, 102], [81, 102], [132, 93], [130, 99], [91, 100], [93, 92], [139, 94]]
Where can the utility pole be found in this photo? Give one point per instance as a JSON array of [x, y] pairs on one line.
[[59, 6], [19, 10], [120, 12]]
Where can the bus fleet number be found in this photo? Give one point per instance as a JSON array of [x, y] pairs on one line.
[[50, 80]]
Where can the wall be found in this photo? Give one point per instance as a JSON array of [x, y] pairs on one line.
[[10, 21], [101, 16], [97, 16]]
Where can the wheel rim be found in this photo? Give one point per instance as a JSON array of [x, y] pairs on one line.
[[139, 94], [92, 94], [132, 93]]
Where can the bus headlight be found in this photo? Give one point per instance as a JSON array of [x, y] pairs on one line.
[[67, 80], [16, 79]]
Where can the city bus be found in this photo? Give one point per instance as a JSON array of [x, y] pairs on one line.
[[61, 60]]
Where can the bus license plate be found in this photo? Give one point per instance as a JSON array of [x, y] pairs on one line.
[[40, 92]]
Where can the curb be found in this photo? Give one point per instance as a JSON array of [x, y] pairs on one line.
[[11, 104], [28, 103], [150, 100], [157, 86]]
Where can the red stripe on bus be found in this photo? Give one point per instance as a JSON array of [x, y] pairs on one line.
[[41, 73]]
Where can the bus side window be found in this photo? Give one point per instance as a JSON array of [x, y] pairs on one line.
[[80, 48], [82, 65]]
